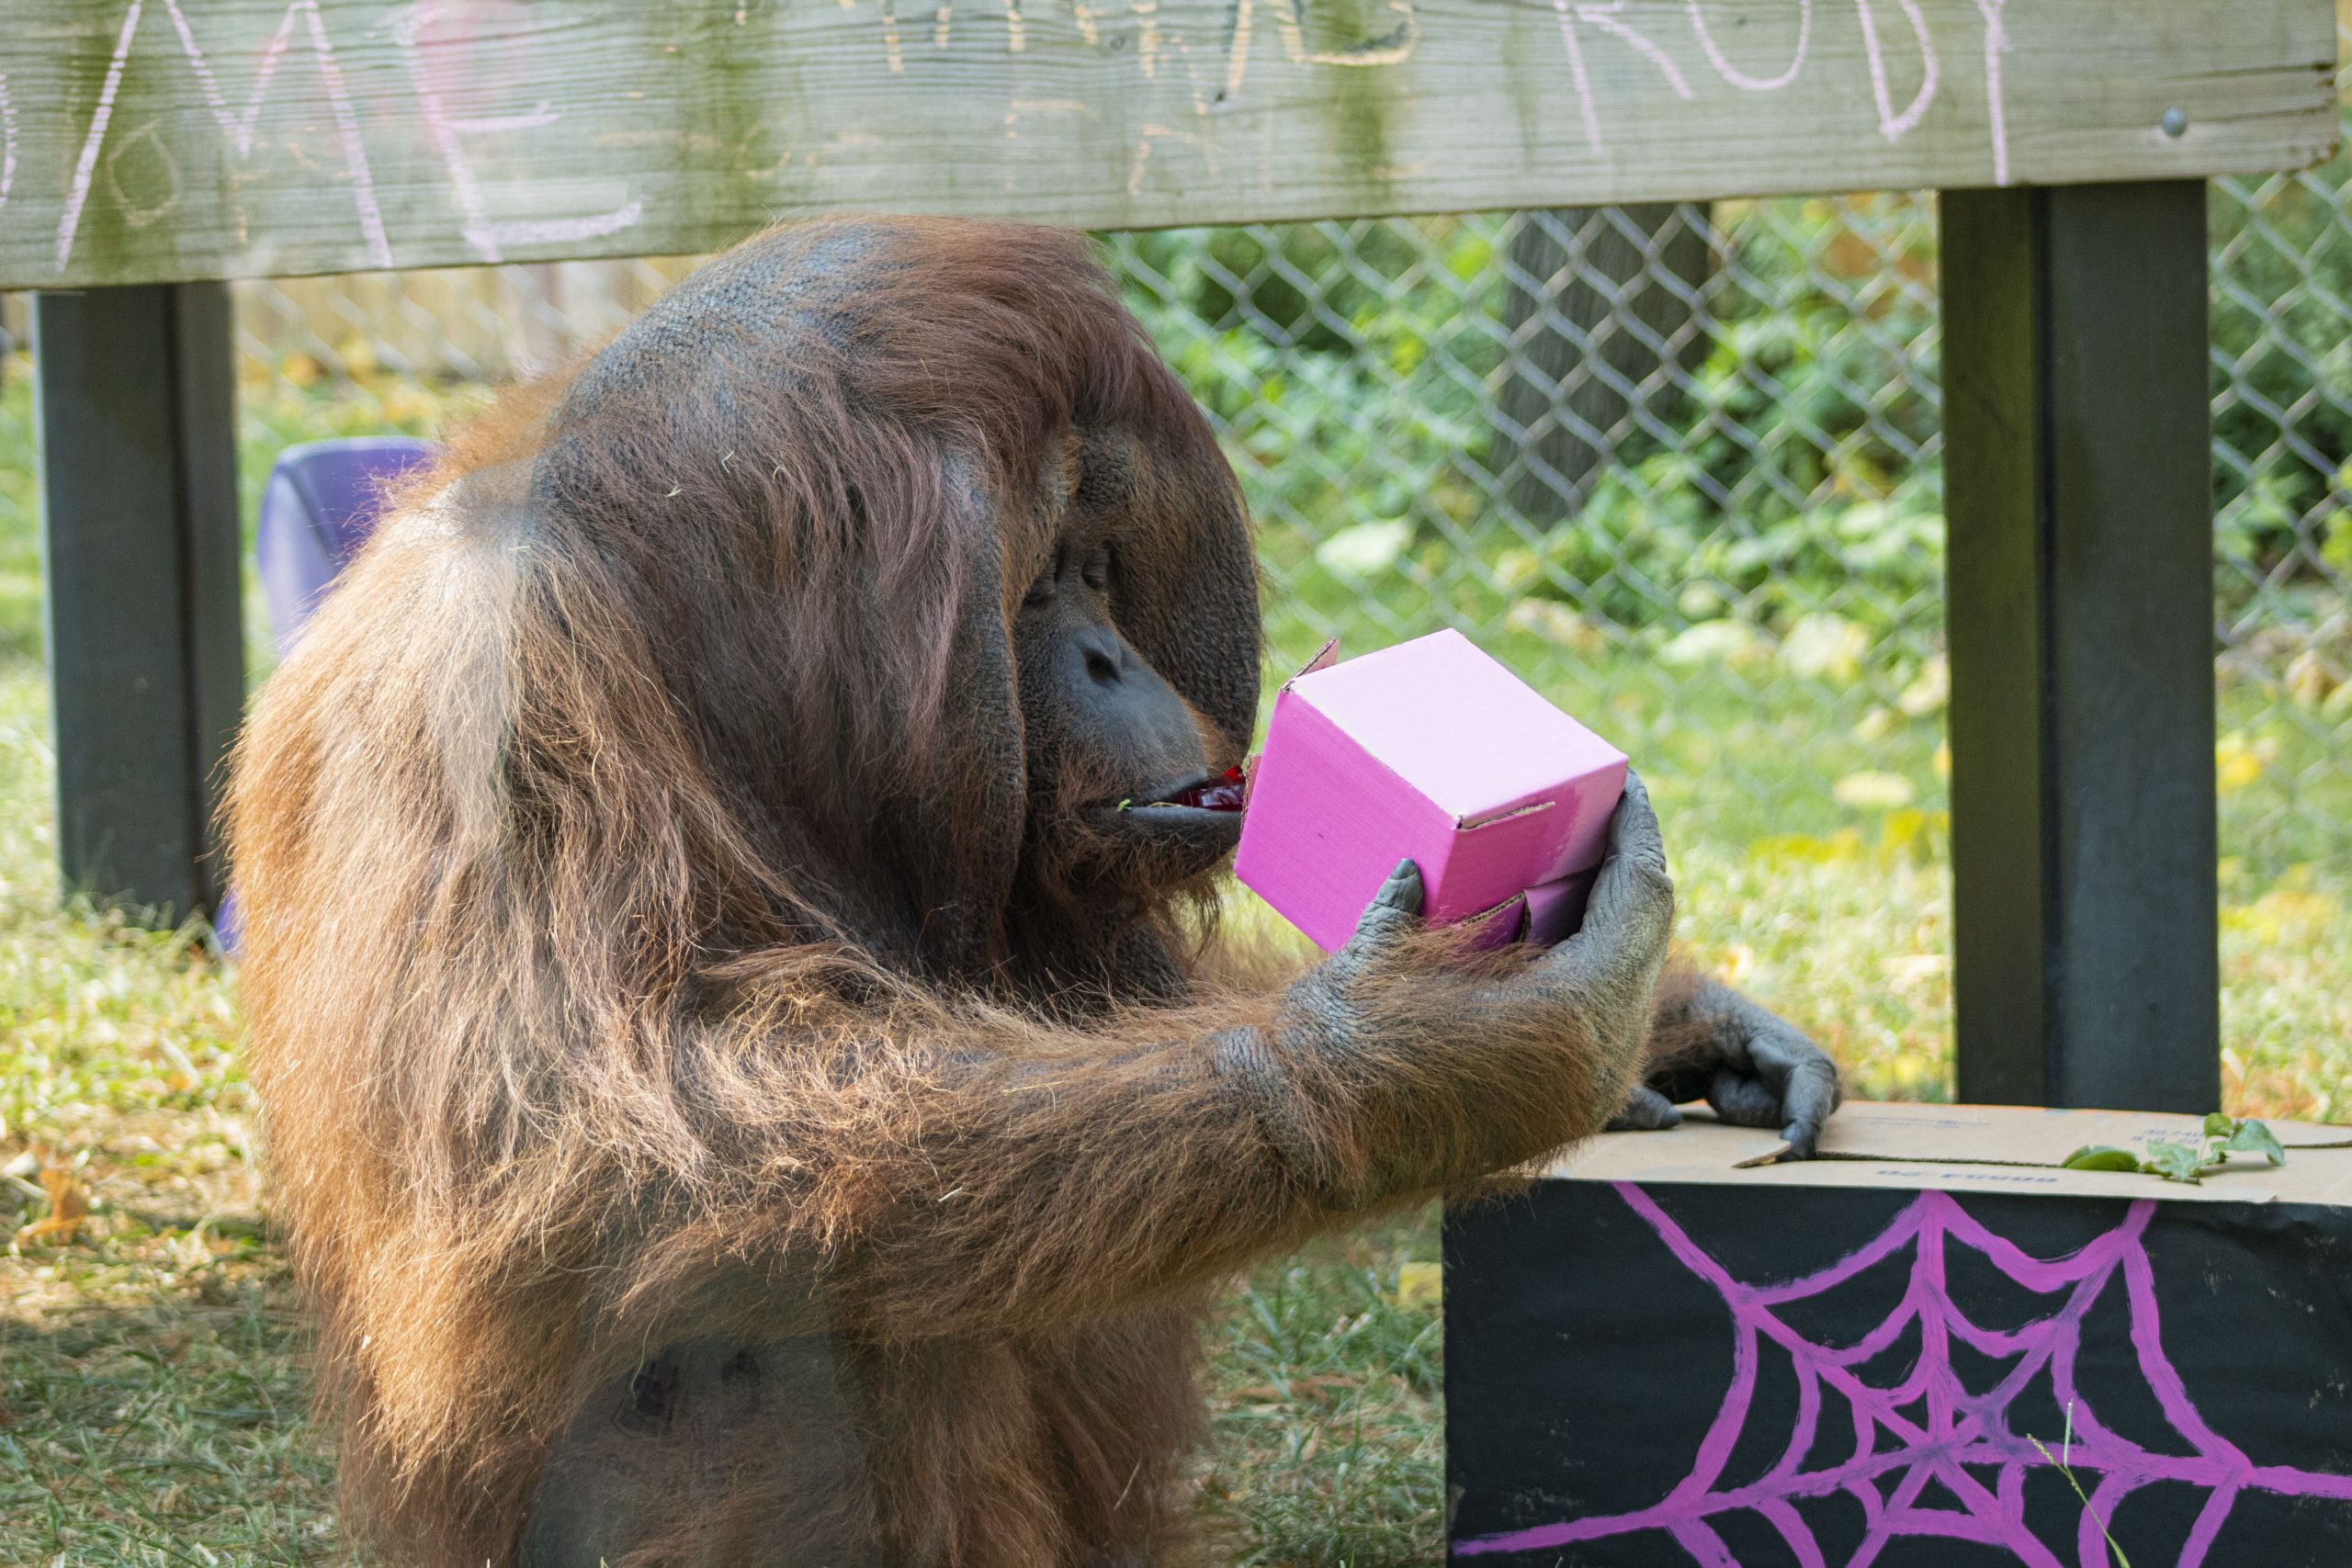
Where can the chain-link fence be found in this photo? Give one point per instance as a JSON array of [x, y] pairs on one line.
[[1681, 464]]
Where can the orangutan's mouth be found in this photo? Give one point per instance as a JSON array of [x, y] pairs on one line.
[[1225, 792], [1206, 810]]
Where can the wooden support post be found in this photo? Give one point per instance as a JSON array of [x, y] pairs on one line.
[[2078, 464], [1625, 283], [137, 415]]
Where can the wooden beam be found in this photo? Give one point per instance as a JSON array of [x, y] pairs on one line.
[[2079, 489], [156, 139], [139, 502]]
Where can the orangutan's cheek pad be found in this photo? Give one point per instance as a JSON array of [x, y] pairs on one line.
[[1431, 752]]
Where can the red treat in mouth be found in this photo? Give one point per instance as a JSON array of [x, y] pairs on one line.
[[1224, 793]]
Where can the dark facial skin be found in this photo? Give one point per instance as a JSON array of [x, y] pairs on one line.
[[1115, 753], [1099, 699]]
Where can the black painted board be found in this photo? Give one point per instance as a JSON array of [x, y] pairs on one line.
[[1627, 1373]]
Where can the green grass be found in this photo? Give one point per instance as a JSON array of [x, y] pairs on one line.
[[151, 1393]]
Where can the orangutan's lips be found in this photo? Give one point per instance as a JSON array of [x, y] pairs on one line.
[[1223, 792]]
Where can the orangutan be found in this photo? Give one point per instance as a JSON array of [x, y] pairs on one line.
[[740, 1090]]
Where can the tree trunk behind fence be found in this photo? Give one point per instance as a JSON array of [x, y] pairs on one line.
[[1622, 287]]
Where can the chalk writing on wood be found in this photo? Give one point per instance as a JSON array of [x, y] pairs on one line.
[[1892, 124], [428, 59], [157, 139]]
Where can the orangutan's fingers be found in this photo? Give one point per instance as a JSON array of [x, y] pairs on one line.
[[1743, 1100], [1631, 911], [1394, 913], [1648, 1111]]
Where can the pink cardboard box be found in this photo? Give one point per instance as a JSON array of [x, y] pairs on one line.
[[1434, 751]]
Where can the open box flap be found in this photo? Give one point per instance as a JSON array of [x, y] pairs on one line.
[[1986, 1148], [1324, 657]]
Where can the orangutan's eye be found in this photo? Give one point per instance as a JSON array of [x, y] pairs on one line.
[[1040, 592], [1097, 570]]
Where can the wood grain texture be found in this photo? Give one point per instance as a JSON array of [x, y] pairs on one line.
[[150, 140]]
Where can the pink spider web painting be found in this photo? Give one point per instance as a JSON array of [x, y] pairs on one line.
[[1920, 1427]]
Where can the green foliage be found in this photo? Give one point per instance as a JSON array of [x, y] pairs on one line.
[[1797, 466], [1758, 569], [21, 635], [2246, 1137], [2177, 1161], [2102, 1157], [1343, 364], [1350, 367], [2282, 378]]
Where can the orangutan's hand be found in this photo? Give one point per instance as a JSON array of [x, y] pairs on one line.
[[1591, 994], [1756, 1069]]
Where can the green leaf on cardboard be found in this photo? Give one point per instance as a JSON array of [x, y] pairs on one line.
[[2175, 1162], [2186, 1162], [2253, 1138]]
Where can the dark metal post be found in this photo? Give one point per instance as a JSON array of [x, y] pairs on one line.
[[2078, 464], [137, 403], [1625, 286]]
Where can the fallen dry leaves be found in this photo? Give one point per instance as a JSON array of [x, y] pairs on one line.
[[69, 1206]]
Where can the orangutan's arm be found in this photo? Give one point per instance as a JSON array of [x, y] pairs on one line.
[[1010, 1183]]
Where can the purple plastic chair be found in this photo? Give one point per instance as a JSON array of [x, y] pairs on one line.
[[323, 501]]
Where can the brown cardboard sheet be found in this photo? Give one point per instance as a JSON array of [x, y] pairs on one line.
[[1965, 1149]]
